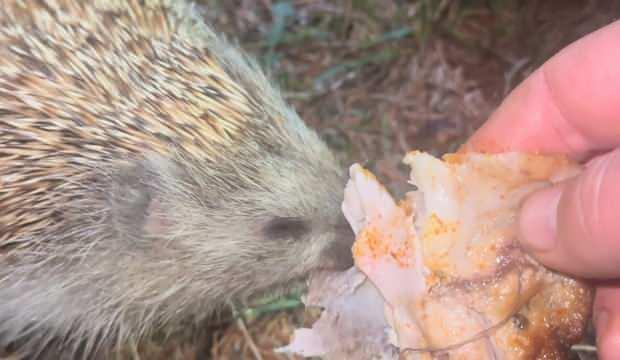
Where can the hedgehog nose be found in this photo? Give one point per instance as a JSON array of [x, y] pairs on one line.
[[340, 250]]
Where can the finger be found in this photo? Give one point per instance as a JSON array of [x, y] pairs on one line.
[[607, 321], [573, 227], [569, 106]]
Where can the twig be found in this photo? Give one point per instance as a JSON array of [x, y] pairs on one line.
[[245, 332], [584, 348], [248, 338]]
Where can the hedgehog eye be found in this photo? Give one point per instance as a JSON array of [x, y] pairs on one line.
[[285, 228]]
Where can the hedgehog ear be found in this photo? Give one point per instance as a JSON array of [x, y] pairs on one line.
[[134, 197], [162, 175]]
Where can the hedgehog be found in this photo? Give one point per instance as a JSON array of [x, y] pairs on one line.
[[150, 173]]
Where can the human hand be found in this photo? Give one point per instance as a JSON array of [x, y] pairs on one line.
[[571, 106]]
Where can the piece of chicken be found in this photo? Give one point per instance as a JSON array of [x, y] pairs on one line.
[[450, 275]]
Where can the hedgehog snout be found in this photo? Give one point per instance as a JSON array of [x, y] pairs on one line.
[[338, 253]]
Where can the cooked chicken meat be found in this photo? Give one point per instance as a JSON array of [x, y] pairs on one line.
[[451, 281]]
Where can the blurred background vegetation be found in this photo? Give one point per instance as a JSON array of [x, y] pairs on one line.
[[377, 78]]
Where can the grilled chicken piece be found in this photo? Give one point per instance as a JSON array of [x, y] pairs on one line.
[[450, 278]]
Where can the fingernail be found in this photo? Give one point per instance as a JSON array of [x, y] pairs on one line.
[[538, 219]]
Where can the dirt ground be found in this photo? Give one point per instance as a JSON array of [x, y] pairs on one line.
[[377, 78]]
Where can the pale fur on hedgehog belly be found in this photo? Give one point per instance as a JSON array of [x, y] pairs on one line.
[[441, 275]]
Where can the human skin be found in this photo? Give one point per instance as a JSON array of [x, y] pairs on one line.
[[571, 106]]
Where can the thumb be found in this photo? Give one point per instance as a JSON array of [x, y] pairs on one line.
[[574, 227]]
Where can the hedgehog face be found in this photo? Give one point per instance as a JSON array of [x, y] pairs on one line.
[[247, 225], [300, 211], [290, 223]]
